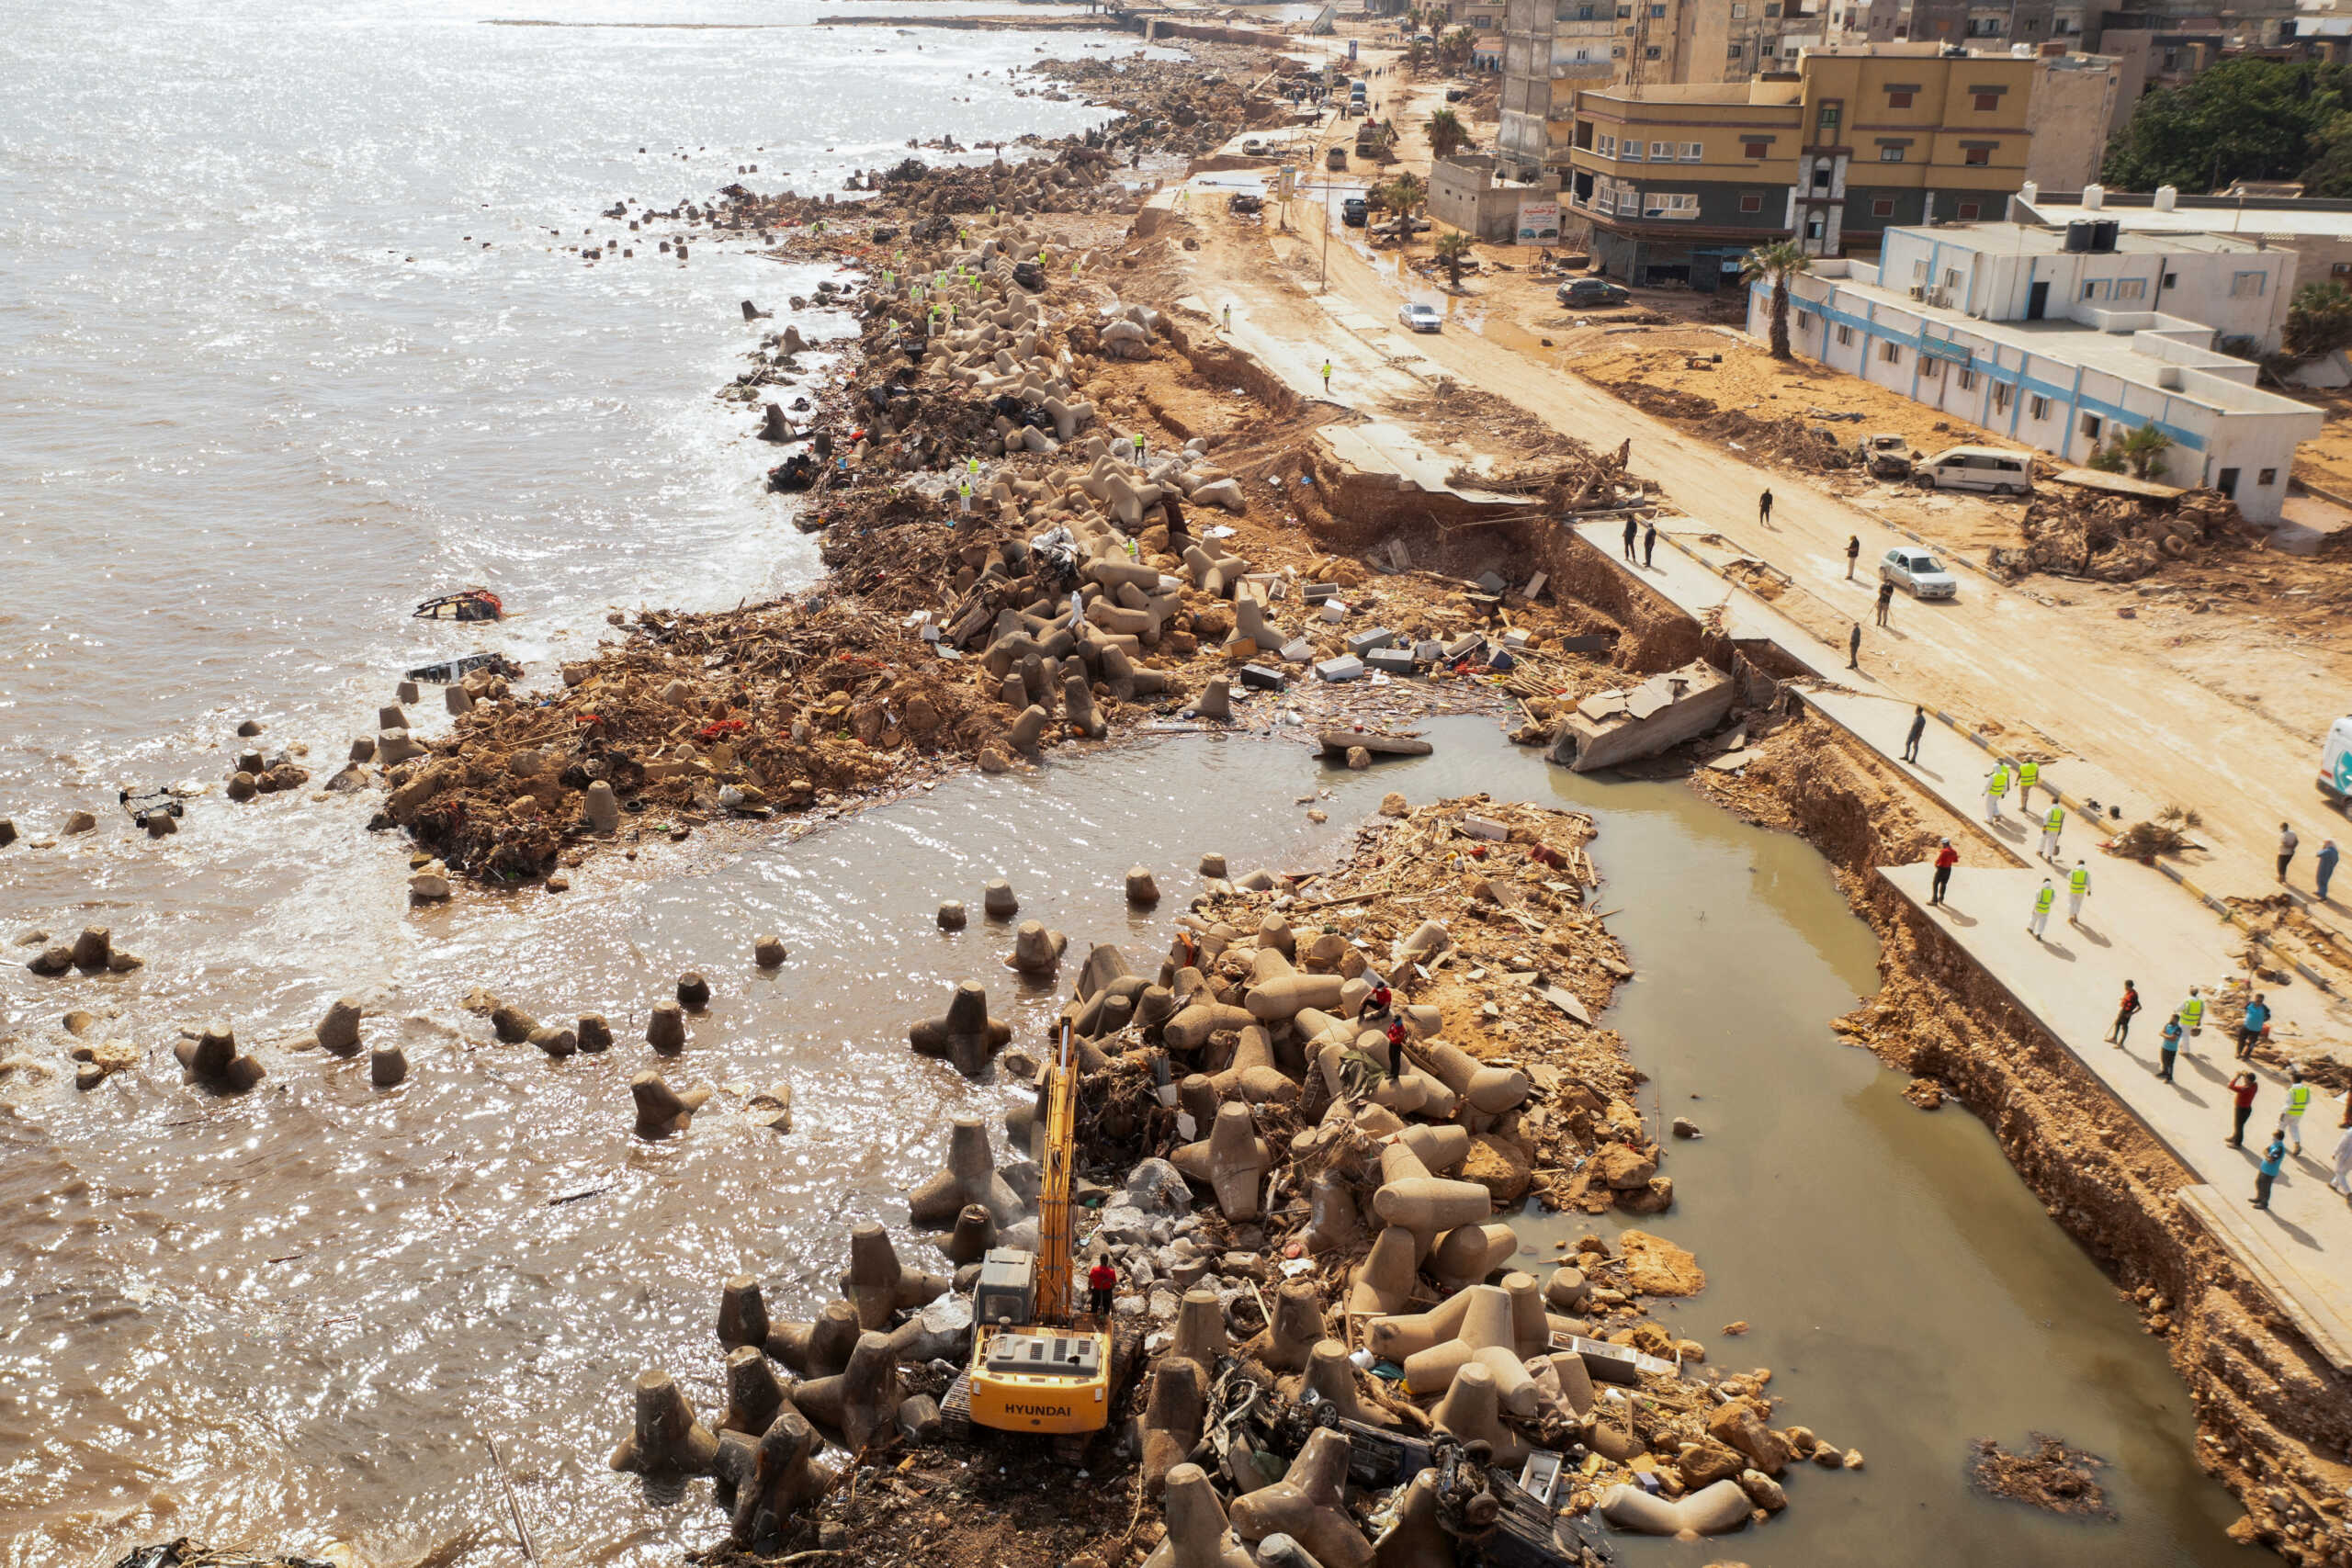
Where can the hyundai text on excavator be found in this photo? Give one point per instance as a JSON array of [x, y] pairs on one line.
[[1037, 1366]]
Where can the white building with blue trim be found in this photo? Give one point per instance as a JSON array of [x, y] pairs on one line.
[[2059, 338]]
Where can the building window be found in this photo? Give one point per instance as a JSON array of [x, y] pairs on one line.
[[2246, 285], [1832, 111], [1652, 51], [2003, 396], [2092, 426], [1739, 13], [1968, 381], [1629, 201], [1967, 211], [1758, 149], [1772, 9], [1751, 201], [1631, 151], [1661, 152], [2095, 288], [2341, 269], [1951, 278], [1623, 12], [1845, 336], [1617, 53], [1987, 102], [1977, 157], [2171, 278], [1882, 207], [1658, 10], [2269, 477], [1804, 320], [2038, 408], [1694, 152], [2130, 289], [1660, 204], [1890, 154], [1898, 99], [1734, 54], [1930, 367], [1892, 352]]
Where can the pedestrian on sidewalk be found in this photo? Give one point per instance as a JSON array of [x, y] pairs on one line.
[[2242, 1089], [2192, 1012], [1649, 542], [2287, 842], [2078, 887], [2028, 775], [1854, 647], [2171, 1046], [1885, 601], [1946, 858], [1997, 785], [2050, 825], [2342, 1178], [2273, 1158], [2298, 1100], [2252, 1027], [1633, 533], [1327, 378], [2123, 1012], [1911, 741], [2323, 864], [1764, 509], [1853, 553], [2043, 900]]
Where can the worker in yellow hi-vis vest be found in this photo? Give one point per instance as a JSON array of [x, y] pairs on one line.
[[2078, 887], [2028, 775], [2050, 827], [2298, 1100], [1997, 785], [2041, 902], [2191, 1012]]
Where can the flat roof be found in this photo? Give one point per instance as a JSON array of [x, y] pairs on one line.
[[2026, 239], [2256, 217]]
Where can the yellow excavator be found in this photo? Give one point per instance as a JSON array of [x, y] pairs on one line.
[[1037, 1366]]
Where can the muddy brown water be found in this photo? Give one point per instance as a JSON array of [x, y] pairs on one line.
[[294, 1316]]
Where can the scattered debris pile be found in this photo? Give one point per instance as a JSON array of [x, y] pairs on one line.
[[2074, 531], [2050, 1476], [1305, 1127], [1790, 441]]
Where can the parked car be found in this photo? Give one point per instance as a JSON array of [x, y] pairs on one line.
[[1352, 212], [1253, 146], [1980, 467], [1583, 292], [1456, 95], [1420, 318], [1336, 158], [1911, 567], [2336, 764]]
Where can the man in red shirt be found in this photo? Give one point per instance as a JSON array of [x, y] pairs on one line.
[[2242, 1089], [1946, 858], [2123, 1012], [1101, 1281]]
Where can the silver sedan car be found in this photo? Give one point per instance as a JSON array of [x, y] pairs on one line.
[[1420, 318], [1912, 567]]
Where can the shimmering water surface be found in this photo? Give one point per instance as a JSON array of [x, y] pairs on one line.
[[241, 431]]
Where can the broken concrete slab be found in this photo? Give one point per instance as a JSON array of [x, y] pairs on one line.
[[1347, 668], [1364, 642], [1662, 711]]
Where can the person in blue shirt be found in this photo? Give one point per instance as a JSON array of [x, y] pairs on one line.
[[2171, 1045], [2258, 1018], [2273, 1158]]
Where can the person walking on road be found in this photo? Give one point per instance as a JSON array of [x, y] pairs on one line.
[[2242, 1089], [1911, 741], [1997, 785], [2078, 887], [2287, 842], [2043, 900], [1885, 601], [2123, 1012], [1854, 647], [2252, 1027], [2050, 825], [1853, 553], [2273, 1158], [2028, 775], [1228, 318], [1632, 534], [1327, 378], [2171, 1047], [2323, 864], [2298, 1100], [2341, 1181], [1946, 858], [1764, 509], [2192, 1012], [1649, 542]]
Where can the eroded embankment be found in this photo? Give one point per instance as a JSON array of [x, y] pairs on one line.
[[2273, 1416]]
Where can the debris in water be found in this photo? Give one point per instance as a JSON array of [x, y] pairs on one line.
[[2053, 1476]]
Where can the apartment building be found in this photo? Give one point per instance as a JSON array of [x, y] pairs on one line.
[[1676, 183], [2061, 339]]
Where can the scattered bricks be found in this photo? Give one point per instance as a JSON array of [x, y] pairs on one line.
[[1298, 651], [1391, 661], [1262, 678], [1338, 670], [1365, 642]]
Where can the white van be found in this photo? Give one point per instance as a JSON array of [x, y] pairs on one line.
[[2336, 764], [1980, 467]]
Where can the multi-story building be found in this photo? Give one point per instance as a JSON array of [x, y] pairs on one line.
[[2318, 230], [2064, 339], [1676, 183]]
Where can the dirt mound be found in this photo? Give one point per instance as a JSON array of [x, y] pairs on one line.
[[2074, 532], [1790, 441], [2052, 1476]]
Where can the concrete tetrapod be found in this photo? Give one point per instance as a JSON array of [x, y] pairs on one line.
[[1307, 1505], [877, 1283], [859, 1401], [1334, 1224], [1481, 1332], [1200, 1328], [1711, 1510], [660, 1110], [1426, 1205], [742, 1313], [820, 1348], [1232, 1161], [971, 1177], [782, 1481], [1286, 1342], [1472, 1411], [974, 1234], [754, 1393], [665, 1029], [1382, 1282], [1489, 1089], [1467, 1254], [1035, 950], [339, 1031], [1197, 1533], [212, 1057], [666, 1439], [1416, 1539], [965, 1036], [997, 901], [1171, 1417], [1332, 1377], [1252, 1074], [1200, 1018]]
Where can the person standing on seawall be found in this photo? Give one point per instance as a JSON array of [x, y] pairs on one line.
[[2274, 1156], [2287, 842], [1911, 741], [1946, 858], [1764, 509], [2123, 1012], [2242, 1091]]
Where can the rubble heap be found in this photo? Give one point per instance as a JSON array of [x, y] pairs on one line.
[[2080, 532]]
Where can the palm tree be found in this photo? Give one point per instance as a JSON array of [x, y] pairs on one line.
[[1451, 247], [1453, 49], [2144, 449], [1400, 195], [1415, 53], [1780, 261], [1447, 133]]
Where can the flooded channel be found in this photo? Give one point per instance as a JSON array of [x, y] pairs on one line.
[[296, 1315]]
